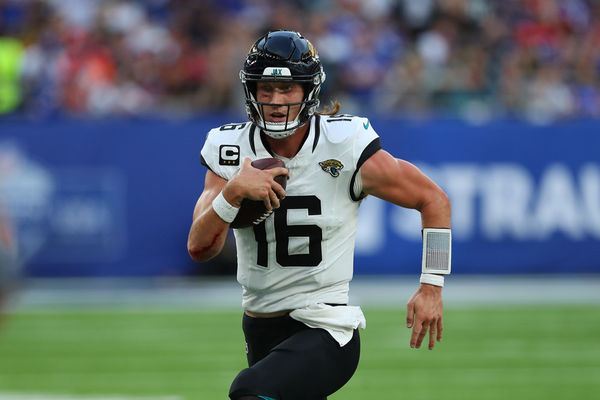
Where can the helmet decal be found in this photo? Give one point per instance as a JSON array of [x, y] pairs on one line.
[[277, 72], [312, 50]]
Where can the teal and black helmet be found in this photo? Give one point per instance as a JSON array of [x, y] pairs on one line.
[[282, 56]]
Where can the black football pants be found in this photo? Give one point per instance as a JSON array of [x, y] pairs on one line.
[[290, 361]]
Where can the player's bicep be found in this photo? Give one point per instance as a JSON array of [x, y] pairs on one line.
[[213, 184], [396, 181]]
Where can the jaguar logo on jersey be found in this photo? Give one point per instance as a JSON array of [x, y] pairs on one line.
[[229, 154], [332, 166]]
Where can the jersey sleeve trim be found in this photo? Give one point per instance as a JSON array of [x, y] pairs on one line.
[[203, 162], [371, 149], [317, 131], [251, 138]]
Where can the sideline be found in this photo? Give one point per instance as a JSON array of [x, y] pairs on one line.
[[369, 291]]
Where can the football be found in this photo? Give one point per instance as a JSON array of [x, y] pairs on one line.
[[253, 211]]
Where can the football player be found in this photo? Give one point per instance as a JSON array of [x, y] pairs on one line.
[[295, 266]]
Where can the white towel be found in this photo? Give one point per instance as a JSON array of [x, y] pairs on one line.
[[339, 321]]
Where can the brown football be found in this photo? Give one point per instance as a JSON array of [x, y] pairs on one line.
[[253, 211]]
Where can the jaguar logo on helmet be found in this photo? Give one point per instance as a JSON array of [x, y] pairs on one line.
[[282, 56], [312, 50]]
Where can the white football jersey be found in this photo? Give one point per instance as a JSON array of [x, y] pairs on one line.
[[303, 253]]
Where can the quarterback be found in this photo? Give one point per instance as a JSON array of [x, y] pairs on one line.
[[295, 265]]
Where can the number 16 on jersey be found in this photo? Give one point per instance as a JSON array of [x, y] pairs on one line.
[[284, 231]]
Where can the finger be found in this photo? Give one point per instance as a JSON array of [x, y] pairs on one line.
[[247, 163], [410, 314], [279, 190], [432, 334], [274, 199], [279, 171], [414, 337], [440, 328], [421, 335], [268, 205], [267, 200]]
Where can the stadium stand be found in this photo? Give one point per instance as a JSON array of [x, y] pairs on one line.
[[472, 58]]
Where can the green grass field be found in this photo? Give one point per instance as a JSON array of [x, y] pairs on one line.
[[488, 353]]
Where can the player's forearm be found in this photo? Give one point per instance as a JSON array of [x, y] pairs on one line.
[[207, 235], [436, 211], [436, 222]]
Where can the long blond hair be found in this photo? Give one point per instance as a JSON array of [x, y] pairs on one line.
[[332, 109]]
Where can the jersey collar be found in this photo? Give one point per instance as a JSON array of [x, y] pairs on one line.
[[314, 126]]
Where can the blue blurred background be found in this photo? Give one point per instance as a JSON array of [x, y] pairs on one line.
[[104, 107]]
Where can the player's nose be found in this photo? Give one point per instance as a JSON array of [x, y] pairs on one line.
[[278, 97]]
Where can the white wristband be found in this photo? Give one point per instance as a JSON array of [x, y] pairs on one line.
[[226, 211], [431, 279], [437, 251]]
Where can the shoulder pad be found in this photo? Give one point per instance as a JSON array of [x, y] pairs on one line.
[[239, 126], [341, 127]]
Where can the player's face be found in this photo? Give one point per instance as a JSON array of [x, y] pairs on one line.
[[280, 93]]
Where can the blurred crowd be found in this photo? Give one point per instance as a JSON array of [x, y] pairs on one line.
[[477, 59]]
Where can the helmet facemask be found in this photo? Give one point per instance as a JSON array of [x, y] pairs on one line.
[[279, 130], [282, 56]]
